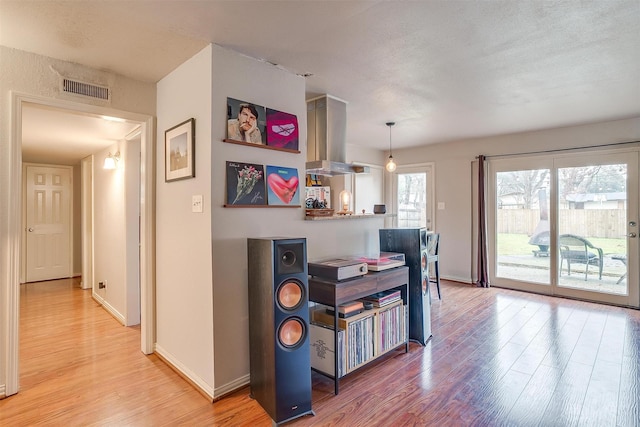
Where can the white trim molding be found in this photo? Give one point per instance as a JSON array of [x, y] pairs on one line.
[[185, 372], [10, 261]]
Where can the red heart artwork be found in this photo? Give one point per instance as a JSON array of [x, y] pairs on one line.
[[285, 190]]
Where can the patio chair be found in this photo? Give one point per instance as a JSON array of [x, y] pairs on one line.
[[577, 249]]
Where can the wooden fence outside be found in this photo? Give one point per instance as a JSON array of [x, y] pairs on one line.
[[605, 223]]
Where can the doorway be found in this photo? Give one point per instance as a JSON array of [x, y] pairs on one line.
[[567, 225], [414, 195], [147, 179]]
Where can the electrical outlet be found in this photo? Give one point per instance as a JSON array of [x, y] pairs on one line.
[[102, 285]]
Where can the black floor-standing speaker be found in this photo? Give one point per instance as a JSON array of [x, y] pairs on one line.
[[280, 361], [412, 242]]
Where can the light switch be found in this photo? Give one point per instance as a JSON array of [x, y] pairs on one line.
[[196, 203], [440, 206]]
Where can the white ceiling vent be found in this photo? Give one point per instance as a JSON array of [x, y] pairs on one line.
[[85, 89]]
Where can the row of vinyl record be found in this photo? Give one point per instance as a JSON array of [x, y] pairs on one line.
[[360, 339], [393, 327]]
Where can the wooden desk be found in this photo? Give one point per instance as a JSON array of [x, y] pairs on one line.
[[333, 293]]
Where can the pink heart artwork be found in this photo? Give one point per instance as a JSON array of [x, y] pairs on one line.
[[284, 189]]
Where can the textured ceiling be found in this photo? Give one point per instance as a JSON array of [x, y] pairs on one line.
[[58, 137], [442, 70]]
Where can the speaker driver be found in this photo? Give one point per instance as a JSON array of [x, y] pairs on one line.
[[288, 258], [290, 295], [425, 285], [424, 261], [291, 333]]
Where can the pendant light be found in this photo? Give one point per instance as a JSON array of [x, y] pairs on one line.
[[391, 165]]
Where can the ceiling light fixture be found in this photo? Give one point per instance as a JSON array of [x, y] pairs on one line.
[[391, 165], [111, 161]]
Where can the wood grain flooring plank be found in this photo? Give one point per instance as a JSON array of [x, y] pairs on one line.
[[497, 358]]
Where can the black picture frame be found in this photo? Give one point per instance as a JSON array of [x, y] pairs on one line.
[[180, 151]]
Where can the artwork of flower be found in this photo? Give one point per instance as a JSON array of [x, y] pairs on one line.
[[245, 184]]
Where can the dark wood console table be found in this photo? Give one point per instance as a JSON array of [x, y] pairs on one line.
[[333, 293]]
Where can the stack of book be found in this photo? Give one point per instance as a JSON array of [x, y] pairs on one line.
[[348, 309], [380, 299]]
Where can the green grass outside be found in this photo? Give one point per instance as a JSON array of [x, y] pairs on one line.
[[518, 244]]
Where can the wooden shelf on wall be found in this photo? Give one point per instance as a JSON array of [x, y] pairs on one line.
[[267, 147], [335, 217], [260, 206]]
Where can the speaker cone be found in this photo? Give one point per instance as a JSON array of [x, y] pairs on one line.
[[291, 333], [288, 258], [290, 295]]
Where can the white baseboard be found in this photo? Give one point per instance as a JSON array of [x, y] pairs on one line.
[[464, 280], [110, 309], [3, 391], [231, 386], [184, 371]]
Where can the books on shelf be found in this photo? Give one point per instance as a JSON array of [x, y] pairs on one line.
[[348, 309], [380, 299]]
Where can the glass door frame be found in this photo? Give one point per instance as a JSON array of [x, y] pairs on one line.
[[429, 170], [553, 162], [507, 165]]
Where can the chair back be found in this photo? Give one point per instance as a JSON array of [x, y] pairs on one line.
[[571, 240], [433, 243]]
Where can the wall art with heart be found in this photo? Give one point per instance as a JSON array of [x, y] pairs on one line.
[[283, 186]]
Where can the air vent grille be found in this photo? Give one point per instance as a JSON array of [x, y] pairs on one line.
[[85, 89]]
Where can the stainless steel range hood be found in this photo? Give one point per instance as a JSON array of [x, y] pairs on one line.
[[327, 138]]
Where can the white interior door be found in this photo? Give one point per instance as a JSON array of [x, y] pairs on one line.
[[48, 222]]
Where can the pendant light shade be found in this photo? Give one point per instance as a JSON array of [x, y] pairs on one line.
[[391, 164]]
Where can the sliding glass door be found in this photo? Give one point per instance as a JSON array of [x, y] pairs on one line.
[[567, 225]]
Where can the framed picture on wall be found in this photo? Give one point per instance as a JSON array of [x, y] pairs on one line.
[[282, 129], [245, 184], [283, 186], [246, 122], [179, 151]]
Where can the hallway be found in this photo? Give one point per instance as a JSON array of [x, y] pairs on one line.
[[79, 366]]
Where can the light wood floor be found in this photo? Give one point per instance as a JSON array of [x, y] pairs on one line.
[[497, 357]]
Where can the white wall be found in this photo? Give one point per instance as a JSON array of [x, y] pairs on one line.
[[109, 235], [250, 80], [130, 152], [454, 179], [76, 268], [184, 293], [27, 73], [116, 232], [201, 285]]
